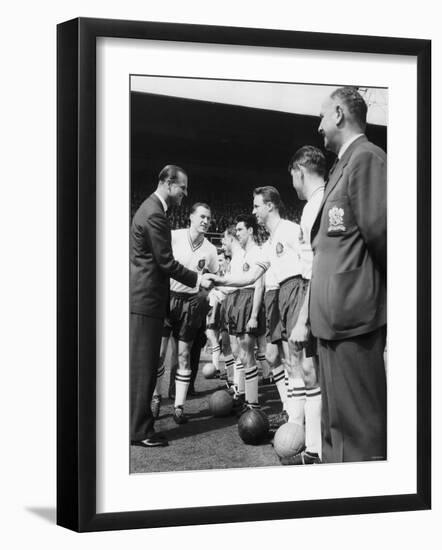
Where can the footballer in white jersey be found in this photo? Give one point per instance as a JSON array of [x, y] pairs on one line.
[[246, 319], [188, 306], [216, 328], [308, 169], [308, 217]]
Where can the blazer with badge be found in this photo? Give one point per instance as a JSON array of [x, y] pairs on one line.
[[349, 241], [151, 261]]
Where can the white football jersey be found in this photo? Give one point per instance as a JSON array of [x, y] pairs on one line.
[[198, 256], [270, 280], [283, 251], [245, 260], [234, 266], [308, 217]]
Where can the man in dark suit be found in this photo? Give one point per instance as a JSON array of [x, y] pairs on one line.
[[151, 266], [348, 287]]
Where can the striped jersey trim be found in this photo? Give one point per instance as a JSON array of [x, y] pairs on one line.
[[197, 243]]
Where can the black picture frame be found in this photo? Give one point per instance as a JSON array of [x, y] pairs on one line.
[[76, 273]]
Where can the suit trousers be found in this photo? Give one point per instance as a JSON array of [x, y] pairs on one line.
[[145, 343], [354, 398]]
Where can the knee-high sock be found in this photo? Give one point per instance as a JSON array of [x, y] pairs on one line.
[[279, 379], [173, 369], [182, 381], [263, 364], [313, 404], [229, 364], [216, 352], [296, 400], [251, 383], [160, 373], [238, 376]]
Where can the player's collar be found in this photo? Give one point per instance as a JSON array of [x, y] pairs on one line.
[[251, 247], [274, 231], [197, 243], [320, 188]]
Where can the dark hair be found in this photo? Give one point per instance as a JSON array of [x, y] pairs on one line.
[[231, 230], [197, 204], [249, 221], [170, 173], [354, 102], [269, 194], [311, 158]]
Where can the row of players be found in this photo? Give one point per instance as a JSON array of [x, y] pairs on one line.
[[264, 292]]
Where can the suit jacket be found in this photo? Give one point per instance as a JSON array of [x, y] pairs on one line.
[[152, 262], [349, 241]]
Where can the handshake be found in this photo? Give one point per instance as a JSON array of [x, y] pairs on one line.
[[209, 280]]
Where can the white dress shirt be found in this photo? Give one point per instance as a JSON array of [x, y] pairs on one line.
[[163, 202]]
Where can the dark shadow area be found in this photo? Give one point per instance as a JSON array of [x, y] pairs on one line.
[[48, 514], [227, 150]]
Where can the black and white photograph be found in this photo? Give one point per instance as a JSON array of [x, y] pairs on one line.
[[223, 347], [258, 273], [193, 265]]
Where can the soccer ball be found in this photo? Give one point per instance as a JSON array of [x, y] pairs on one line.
[[220, 403], [289, 440], [209, 370], [253, 427]]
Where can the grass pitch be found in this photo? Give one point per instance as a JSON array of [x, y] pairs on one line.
[[205, 442]]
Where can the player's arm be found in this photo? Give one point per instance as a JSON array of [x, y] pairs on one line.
[[298, 338], [299, 335], [213, 266], [238, 281], [257, 300]]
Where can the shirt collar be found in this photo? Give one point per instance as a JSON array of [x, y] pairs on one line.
[[163, 202], [347, 145]]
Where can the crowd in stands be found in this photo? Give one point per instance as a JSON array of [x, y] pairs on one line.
[[224, 213]]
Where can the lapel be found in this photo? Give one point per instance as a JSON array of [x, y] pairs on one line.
[[158, 203], [334, 177]]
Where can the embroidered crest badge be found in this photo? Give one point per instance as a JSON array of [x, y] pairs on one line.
[[201, 264], [245, 267], [336, 220], [279, 249]]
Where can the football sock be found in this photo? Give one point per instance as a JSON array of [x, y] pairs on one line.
[[279, 379], [263, 364], [229, 363], [296, 400], [182, 381], [313, 420], [238, 376], [216, 352], [251, 384]]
